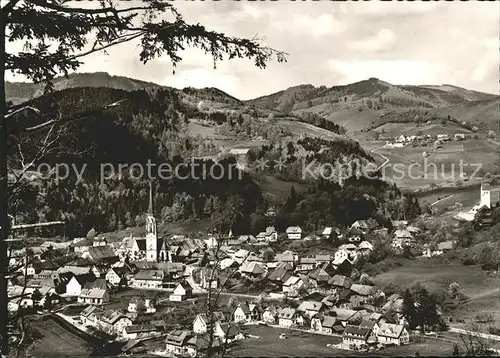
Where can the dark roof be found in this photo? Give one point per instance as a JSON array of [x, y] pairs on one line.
[[140, 328], [356, 332]]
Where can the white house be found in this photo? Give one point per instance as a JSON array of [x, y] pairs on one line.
[[393, 334], [93, 296], [292, 286], [246, 312], [327, 232], [114, 276], [200, 324], [269, 315], [182, 291], [294, 233], [310, 308], [73, 287], [285, 317], [365, 248], [138, 304]]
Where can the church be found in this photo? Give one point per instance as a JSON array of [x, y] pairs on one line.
[[488, 198], [150, 248]]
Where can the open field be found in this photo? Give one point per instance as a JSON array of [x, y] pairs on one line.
[[299, 128], [280, 189], [302, 344], [393, 130], [444, 166], [438, 276], [57, 341]]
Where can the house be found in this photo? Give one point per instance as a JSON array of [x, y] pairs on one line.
[[440, 249], [246, 312], [241, 255], [93, 296], [271, 234], [306, 264], [201, 323], [365, 248], [176, 343], [355, 337], [371, 324], [140, 331], [252, 269], [73, 287], [393, 334], [402, 238], [144, 305], [292, 286], [100, 254], [401, 139], [340, 281], [117, 275], [270, 314], [199, 346], [310, 308], [100, 241], [294, 232], [362, 290], [112, 322], [288, 257], [281, 273], [182, 292], [459, 136], [354, 239], [323, 259], [325, 324], [327, 232], [286, 317], [346, 316], [148, 279], [442, 137], [365, 226]]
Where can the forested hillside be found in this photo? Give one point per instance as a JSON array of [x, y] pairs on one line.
[[152, 125]]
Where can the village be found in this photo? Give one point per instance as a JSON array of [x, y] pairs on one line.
[[121, 290]]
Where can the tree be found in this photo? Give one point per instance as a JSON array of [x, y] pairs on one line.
[[110, 25], [454, 290], [408, 309]]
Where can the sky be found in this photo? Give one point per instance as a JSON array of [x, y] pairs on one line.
[[330, 43]]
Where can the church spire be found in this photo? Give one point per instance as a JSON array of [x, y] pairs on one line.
[[150, 208]]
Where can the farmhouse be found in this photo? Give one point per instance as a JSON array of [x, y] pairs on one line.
[[355, 337], [393, 334], [140, 331], [310, 308], [294, 233], [201, 322], [182, 292], [149, 279], [93, 296], [285, 317]]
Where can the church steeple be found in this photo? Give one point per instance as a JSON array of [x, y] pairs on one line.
[[150, 208]]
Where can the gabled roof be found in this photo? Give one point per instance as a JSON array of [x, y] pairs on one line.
[[357, 332], [140, 328], [310, 306], [327, 231], [390, 330], [93, 293], [362, 290], [287, 313], [343, 314], [178, 337], [329, 321], [253, 268], [402, 234], [294, 230], [323, 258], [307, 261], [157, 275], [340, 281], [365, 245]]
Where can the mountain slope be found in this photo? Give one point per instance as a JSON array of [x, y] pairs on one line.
[[359, 105]]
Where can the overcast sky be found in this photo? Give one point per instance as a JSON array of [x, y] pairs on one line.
[[332, 43]]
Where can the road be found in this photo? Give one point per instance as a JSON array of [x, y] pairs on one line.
[[475, 334], [383, 157], [446, 197]]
